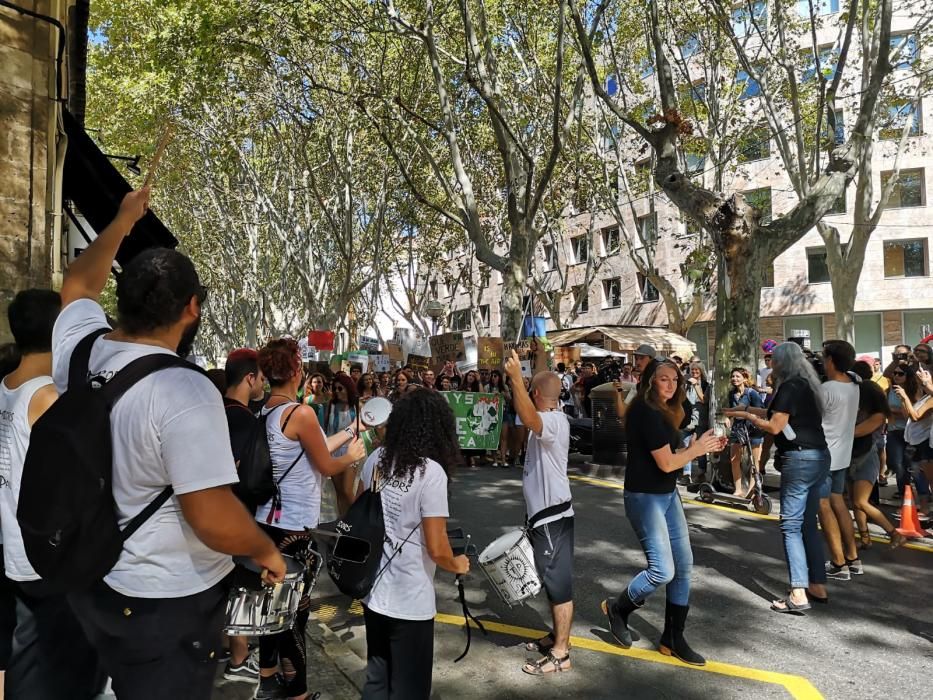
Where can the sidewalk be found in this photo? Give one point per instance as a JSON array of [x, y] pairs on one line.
[[333, 670]]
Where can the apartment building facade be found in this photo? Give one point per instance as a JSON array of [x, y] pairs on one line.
[[892, 306]]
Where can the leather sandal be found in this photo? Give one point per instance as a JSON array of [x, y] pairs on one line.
[[558, 665]]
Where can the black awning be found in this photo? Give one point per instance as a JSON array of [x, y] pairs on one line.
[[96, 188]]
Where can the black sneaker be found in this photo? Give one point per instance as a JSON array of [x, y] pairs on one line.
[[271, 688], [246, 672]]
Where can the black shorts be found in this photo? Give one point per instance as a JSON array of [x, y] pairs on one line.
[[553, 547]]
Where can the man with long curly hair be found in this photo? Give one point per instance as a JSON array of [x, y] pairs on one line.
[[548, 506]]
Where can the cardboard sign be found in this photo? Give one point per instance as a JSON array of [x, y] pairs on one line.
[[380, 363], [526, 368], [522, 348], [369, 343], [489, 353], [419, 363], [394, 351], [478, 418], [448, 347], [358, 358]]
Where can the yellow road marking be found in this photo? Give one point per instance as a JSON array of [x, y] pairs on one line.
[[797, 686], [735, 511]]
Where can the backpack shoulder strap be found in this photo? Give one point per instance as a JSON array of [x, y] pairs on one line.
[[140, 368], [146, 513], [81, 357]]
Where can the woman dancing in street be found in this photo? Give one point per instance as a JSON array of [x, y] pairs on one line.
[[653, 507]]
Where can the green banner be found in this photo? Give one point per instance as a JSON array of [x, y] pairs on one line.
[[479, 418]]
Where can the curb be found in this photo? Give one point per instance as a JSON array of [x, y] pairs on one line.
[[345, 660]]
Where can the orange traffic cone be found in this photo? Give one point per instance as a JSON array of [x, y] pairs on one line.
[[910, 520]]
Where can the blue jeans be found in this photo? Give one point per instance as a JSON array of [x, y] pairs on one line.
[[659, 522], [897, 457], [803, 475]]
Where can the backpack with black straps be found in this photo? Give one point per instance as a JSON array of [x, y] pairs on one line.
[[66, 510], [256, 485]]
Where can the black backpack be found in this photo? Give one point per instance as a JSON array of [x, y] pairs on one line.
[[364, 521], [256, 485], [66, 510]]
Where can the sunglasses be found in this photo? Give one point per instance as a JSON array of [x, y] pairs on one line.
[[900, 374]]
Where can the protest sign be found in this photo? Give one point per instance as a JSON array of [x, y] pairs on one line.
[[322, 340], [369, 343], [380, 363], [478, 418], [447, 347], [526, 368], [358, 358], [489, 353], [419, 363], [394, 351]]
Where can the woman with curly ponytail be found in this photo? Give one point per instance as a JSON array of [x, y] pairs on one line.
[[410, 471]]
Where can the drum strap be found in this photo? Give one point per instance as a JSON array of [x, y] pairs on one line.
[[467, 617], [548, 512]]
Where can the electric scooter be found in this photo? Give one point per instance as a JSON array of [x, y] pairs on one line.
[[755, 499]]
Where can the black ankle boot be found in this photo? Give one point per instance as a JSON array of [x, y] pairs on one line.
[[618, 611], [672, 638]]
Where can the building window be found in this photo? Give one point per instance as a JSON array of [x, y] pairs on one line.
[[756, 145], [899, 114], [550, 257], [691, 46], [612, 85], [582, 293], [612, 293], [648, 228], [821, 8], [817, 272], [909, 190], [761, 200], [903, 51], [579, 248], [691, 227], [810, 328], [611, 241], [905, 258], [642, 177], [750, 17], [647, 290], [460, 320], [484, 314], [829, 58], [838, 128], [750, 86], [433, 287]]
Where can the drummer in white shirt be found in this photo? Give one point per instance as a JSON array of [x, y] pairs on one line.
[[549, 509]]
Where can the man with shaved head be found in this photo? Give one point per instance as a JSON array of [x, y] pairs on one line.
[[548, 507]]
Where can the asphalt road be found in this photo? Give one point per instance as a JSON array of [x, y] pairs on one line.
[[875, 637]]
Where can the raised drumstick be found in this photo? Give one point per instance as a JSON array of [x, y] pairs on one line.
[[167, 134]]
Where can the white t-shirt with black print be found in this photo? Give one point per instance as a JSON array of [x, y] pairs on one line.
[[405, 590]]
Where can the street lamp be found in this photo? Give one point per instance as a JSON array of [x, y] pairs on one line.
[[133, 161], [436, 310]]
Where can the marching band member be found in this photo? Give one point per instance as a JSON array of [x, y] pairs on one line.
[[549, 509]]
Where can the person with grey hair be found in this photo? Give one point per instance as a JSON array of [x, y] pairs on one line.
[[794, 417]]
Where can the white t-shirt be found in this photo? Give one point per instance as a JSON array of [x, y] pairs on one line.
[[840, 406], [545, 481], [763, 375], [14, 441], [405, 590], [169, 428]]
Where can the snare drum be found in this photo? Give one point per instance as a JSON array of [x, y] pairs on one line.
[[509, 564], [256, 609]]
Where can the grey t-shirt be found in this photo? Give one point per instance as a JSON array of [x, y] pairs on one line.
[[840, 406], [545, 481], [405, 590], [169, 428]]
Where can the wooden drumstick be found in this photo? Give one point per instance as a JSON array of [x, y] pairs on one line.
[[167, 135]]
